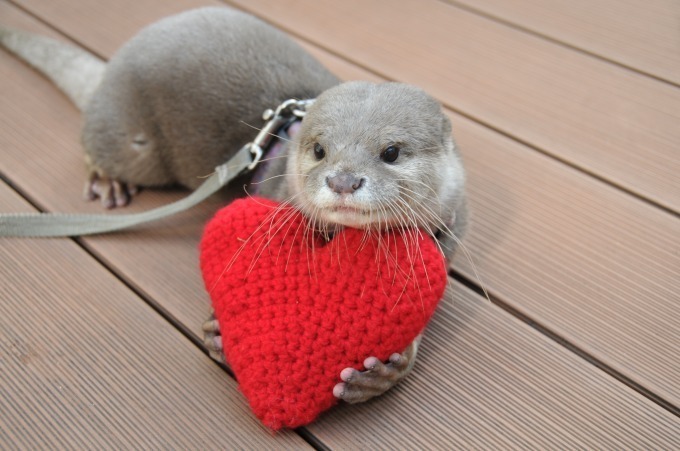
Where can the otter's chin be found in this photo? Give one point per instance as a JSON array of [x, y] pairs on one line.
[[348, 217], [356, 218]]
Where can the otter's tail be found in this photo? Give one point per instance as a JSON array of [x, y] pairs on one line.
[[76, 72]]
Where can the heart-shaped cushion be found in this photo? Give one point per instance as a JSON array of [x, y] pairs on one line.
[[295, 311]]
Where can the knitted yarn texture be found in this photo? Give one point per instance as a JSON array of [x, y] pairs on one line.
[[295, 311]]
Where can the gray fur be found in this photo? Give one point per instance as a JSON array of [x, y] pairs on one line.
[[172, 104], [174, 99], [354, 123]]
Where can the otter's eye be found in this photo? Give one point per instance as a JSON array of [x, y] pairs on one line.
[[390, 154], [319, 153]]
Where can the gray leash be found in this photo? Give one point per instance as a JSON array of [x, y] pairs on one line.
[[65, 224]]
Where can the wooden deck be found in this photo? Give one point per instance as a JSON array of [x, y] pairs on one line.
[[568, 114]]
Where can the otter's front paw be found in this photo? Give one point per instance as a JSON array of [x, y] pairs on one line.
[[212, 339], [360, 386], [112, 193]]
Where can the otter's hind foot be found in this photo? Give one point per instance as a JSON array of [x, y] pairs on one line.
[[112, 193]]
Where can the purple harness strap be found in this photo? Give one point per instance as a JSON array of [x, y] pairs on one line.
[[274, 151]]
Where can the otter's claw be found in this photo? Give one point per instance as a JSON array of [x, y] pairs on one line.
[[112, 193], [357, 386], [360, 386], [212, 339]]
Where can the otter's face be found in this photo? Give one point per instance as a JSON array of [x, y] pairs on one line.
[[375, 156]]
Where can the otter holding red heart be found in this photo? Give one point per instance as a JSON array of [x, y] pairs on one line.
[[170, 106]]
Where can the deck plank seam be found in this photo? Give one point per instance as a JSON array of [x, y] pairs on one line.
[[461, 278], [451, 108], [476, 120], [63, 34], [566, 45], [303, 432], [568, 345]]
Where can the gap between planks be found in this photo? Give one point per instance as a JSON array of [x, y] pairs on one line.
[[184, 330], [170, 315], [474, 285], [534, 96], [561, 42]]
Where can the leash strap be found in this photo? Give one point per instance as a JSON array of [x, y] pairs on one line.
[[68, 225], [65, 224]]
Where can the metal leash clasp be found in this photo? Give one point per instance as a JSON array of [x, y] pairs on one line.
[[275, 120]]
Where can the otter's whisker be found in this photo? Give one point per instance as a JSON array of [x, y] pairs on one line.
[[266, 238], [270, 134], [268, 179], [246, 241]]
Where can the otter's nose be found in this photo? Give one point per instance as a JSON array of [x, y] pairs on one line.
[[344, 183]]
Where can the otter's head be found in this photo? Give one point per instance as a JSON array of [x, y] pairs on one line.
[[375, 155]]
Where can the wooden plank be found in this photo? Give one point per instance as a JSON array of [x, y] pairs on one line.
[[483, 379], [587, 261], [531, 245], [85, 364], [47, 161], [486, 381], [617, 124], [640, 34], [86, 17], [161, 260], [579, 257]]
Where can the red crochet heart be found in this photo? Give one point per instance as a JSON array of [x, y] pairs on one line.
[[295, 311]]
